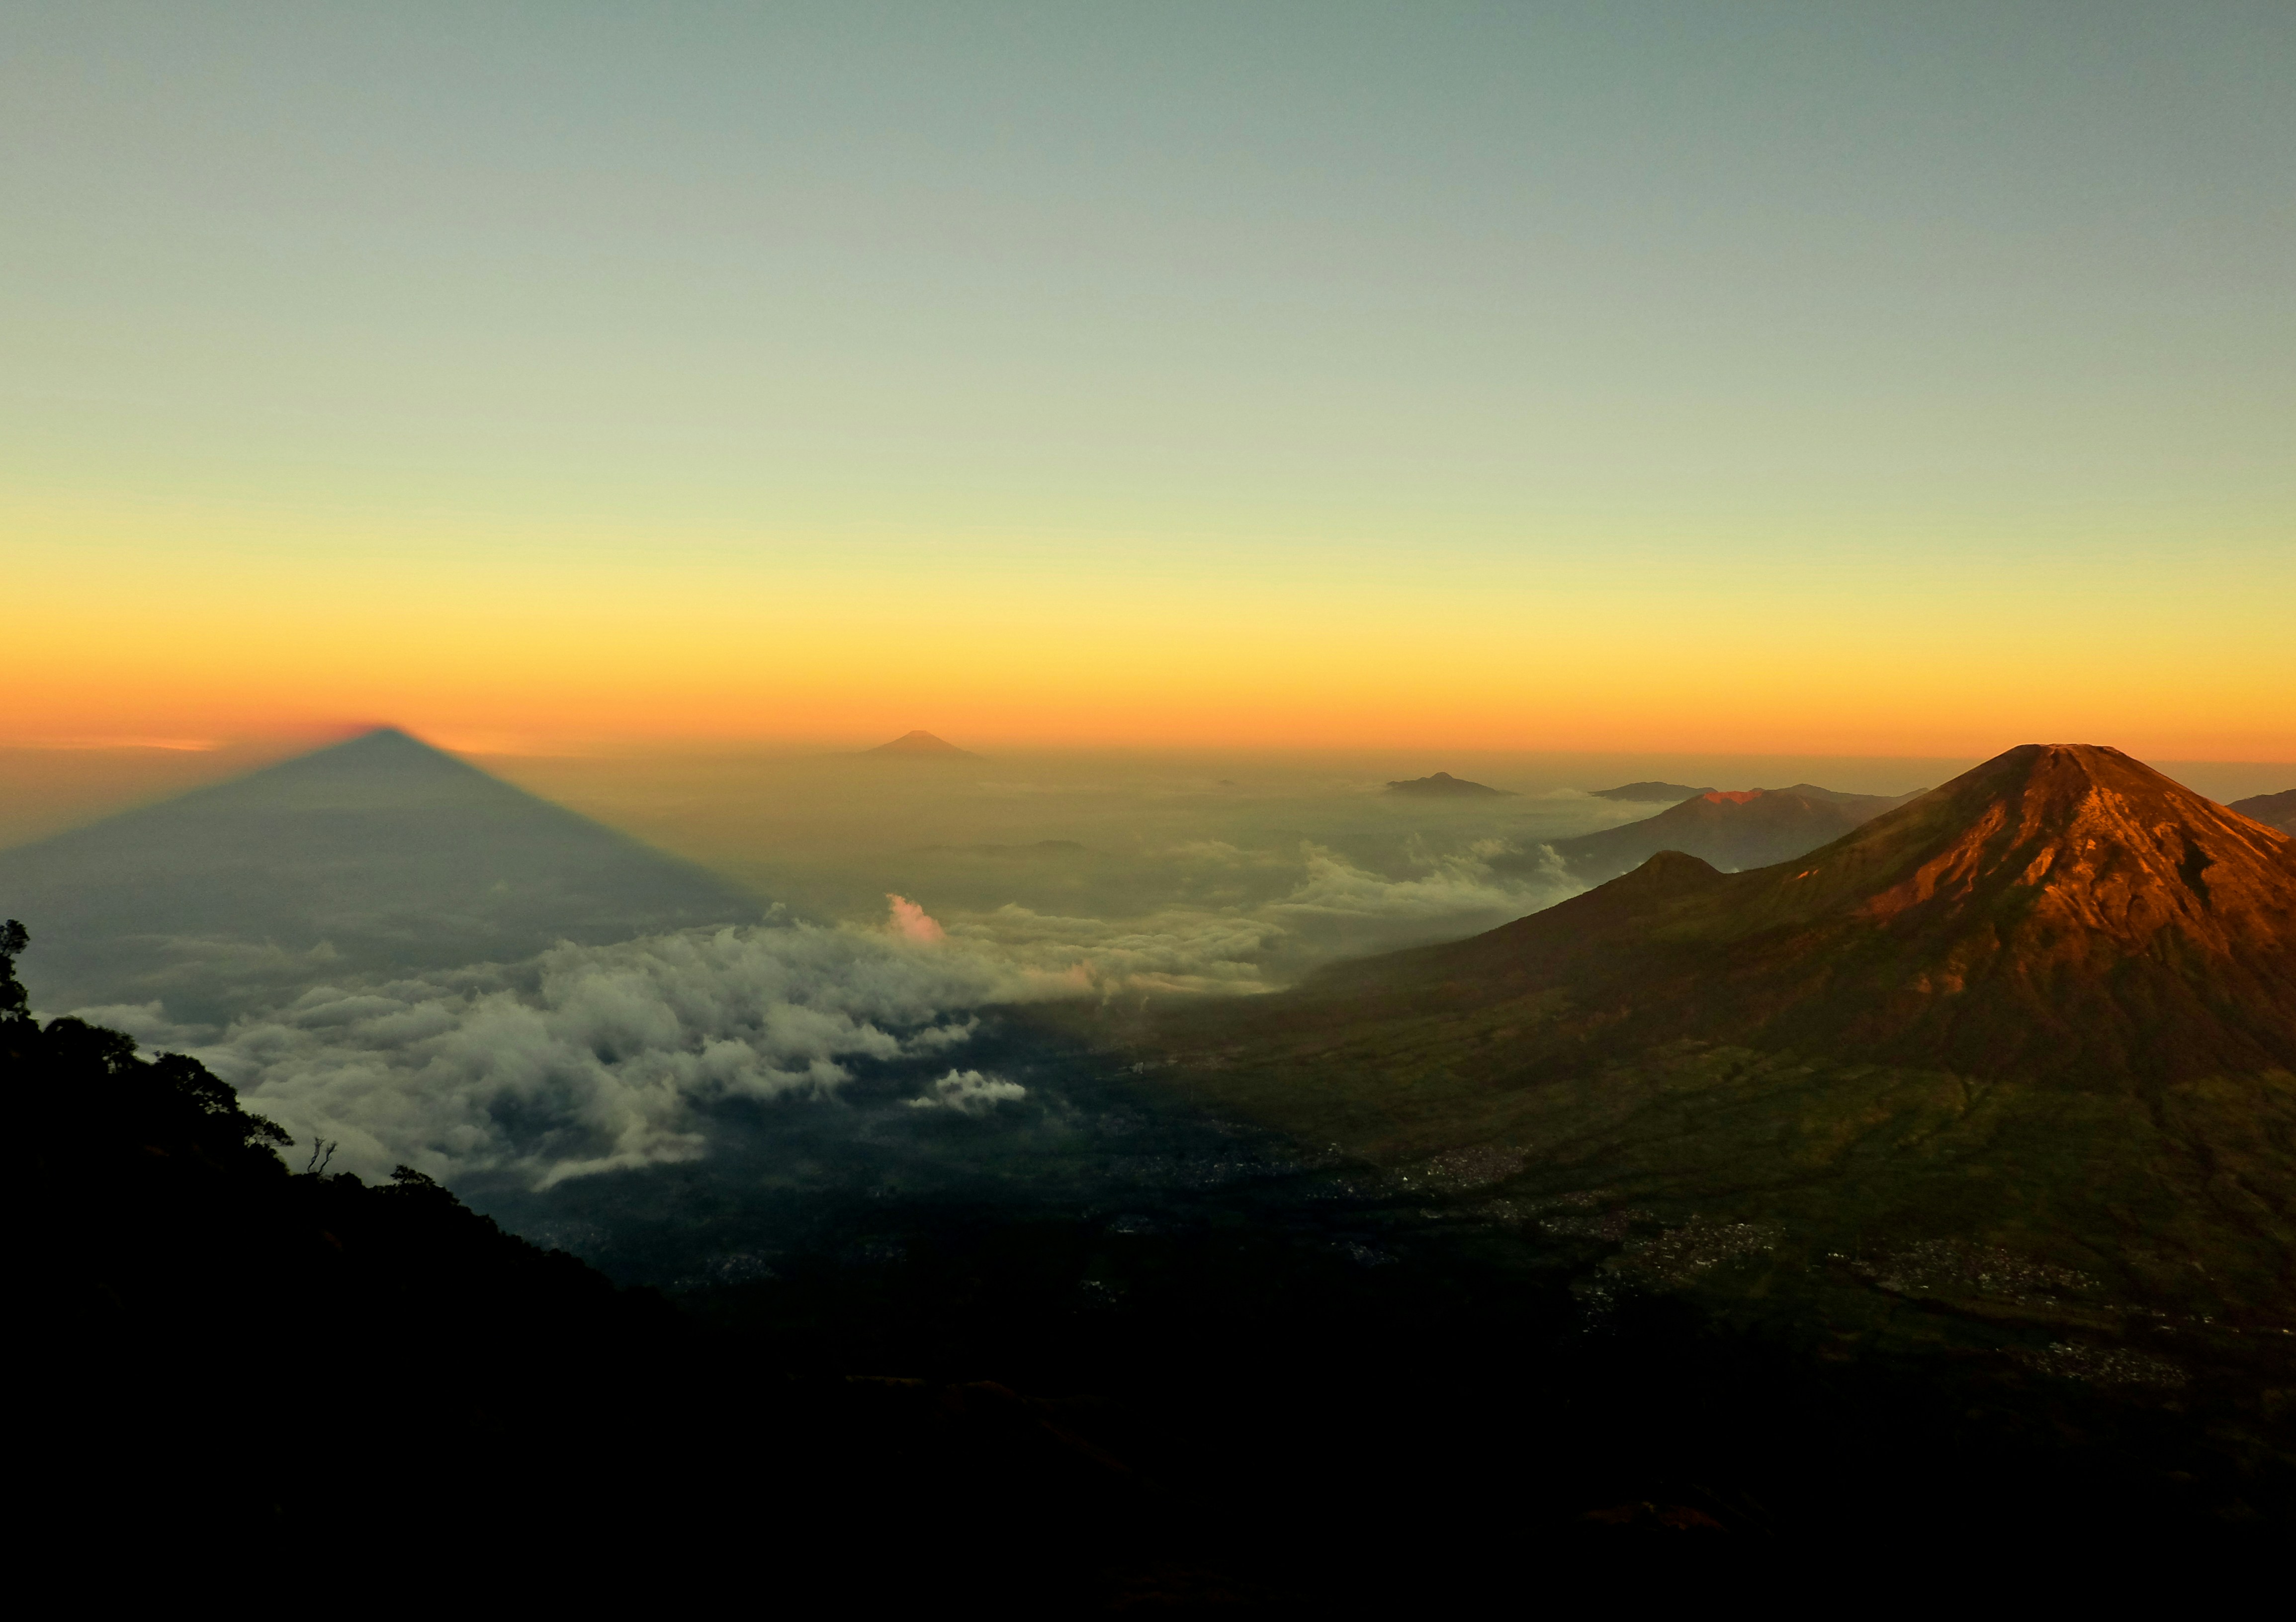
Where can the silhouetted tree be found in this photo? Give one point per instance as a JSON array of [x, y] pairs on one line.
[[17, 1031], [13, 938]]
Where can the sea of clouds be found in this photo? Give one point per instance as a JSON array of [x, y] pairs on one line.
[[593, 1058]]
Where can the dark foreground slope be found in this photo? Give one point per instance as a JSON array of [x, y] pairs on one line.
[[378, 854], [2046, 1011], [237, 1370], [227, 1365], [1730, 831]]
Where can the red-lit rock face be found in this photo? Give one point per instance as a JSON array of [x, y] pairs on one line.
[[2085, 845], [2060, 910], [1731, 797]]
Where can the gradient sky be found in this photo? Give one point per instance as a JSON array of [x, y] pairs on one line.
[[1860, 379]]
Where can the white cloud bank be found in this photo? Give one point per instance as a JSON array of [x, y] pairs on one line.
[[589, 1059], [602, 1057]]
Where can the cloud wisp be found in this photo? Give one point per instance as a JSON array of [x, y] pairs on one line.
[[1332, 907], [969, 1092]]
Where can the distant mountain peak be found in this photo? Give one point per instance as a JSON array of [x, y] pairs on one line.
[[921, 742], [1732, 828], [1671, 793], [1443, 785]]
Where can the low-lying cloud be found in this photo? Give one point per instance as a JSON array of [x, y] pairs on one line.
[[1332, 907], [596, 1058], [1448, 885]]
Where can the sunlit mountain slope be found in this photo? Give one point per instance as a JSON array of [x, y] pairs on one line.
[[2048, 1008]]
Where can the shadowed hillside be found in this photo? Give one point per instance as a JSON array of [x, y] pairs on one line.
[[386, 1382]]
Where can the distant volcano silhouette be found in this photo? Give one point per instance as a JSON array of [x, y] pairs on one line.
[[1730, 827], [922, 745], [380, 853], [1444, 786], [1670, 793]]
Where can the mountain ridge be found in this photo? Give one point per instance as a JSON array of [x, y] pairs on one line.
[[2043, 1016], [1669, 793], [1732, 828], [2277, 811], [2007, 880]]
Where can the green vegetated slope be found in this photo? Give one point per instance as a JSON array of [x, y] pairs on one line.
[[2022, 1047], [2160, 1202]]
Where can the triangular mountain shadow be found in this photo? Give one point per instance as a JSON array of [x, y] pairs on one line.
[[376, 855]]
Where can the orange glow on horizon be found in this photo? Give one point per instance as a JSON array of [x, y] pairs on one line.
[[1134, 396], [179, 627]]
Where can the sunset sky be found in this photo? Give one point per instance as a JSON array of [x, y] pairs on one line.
[[1850, 378]]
